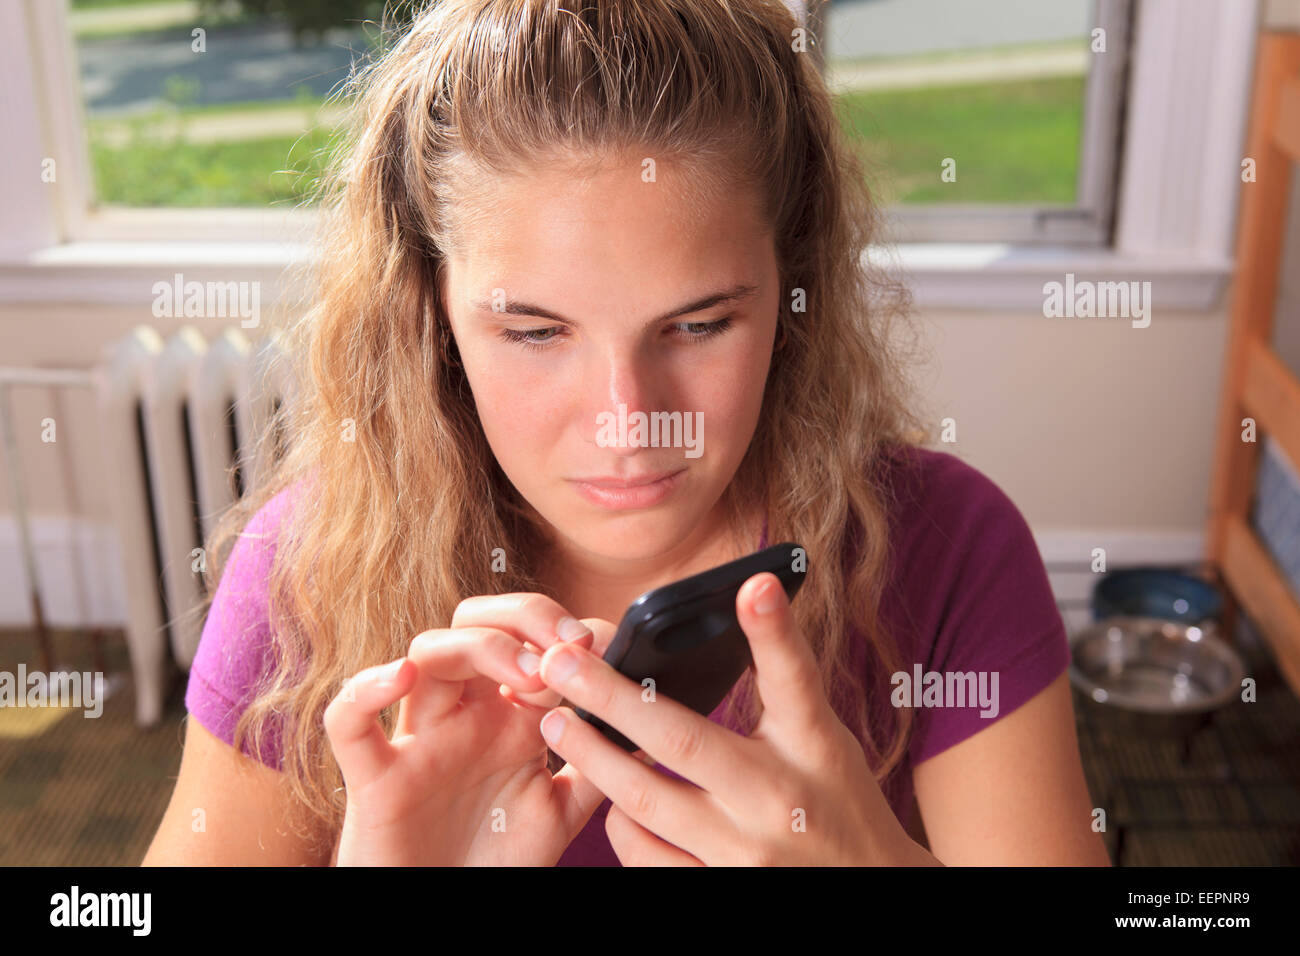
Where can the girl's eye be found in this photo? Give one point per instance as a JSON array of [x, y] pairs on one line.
[[707, 330], [525, 336], [540, 338]]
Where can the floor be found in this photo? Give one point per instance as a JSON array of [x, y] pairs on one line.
[[88, 792], [1229, 795], [84, 792]]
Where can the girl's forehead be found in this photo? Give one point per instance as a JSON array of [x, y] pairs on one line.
[[570, 226]]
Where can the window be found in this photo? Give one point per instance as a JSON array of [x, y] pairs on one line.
[[1159, 140], [212, 104], [971, 117], [996, 120]]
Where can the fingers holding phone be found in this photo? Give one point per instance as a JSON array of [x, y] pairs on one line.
[[538, 623]]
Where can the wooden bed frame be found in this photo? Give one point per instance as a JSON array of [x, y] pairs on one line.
[[1256, 384]]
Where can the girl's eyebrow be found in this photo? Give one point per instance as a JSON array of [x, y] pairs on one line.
[[735, 293]]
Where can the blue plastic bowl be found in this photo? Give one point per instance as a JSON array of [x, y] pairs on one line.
[[1155, 592]]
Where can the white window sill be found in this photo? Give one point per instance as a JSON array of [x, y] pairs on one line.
[[1009, 277], [959, 276]]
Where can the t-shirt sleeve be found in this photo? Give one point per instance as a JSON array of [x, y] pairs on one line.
[[998, 636], [235, 648]]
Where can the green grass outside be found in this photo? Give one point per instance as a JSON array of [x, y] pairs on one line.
[[276, 171], [1013, 142]]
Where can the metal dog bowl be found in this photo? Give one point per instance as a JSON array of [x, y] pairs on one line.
[[1154, 676]]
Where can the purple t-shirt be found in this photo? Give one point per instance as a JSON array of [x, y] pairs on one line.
[[968, 594]]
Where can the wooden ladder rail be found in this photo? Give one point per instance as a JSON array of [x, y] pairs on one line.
[[1255, 383]]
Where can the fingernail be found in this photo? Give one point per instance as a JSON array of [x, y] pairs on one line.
[[768, 599], [553, 726], [570, 629], [528, 662], [388, 673], [563, 666]]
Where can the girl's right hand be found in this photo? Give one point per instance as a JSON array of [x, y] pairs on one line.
[[464, 780]]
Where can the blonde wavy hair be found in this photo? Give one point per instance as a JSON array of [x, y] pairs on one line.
[[401, 522]]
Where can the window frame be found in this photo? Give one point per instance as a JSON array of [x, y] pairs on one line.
[[1173, 223], [1089, 220]]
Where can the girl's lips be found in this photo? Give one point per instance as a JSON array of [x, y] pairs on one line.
[[638, 496]]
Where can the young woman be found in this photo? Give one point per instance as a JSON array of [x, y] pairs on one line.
[[556, 211]]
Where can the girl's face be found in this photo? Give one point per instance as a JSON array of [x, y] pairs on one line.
[[600, 303]]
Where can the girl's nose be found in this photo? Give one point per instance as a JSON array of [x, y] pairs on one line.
[[620, 387]]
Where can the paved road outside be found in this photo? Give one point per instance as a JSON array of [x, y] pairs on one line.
[[122, 75], [125, 75], [858, 28], [977, 68]]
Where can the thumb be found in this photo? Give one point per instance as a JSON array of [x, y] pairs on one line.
[[787, 677], [351, 719]]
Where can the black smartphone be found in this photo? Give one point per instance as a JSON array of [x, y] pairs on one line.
[[686, 638]]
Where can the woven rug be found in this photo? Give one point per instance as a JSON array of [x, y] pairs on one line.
[[91, 792], [76, 790]]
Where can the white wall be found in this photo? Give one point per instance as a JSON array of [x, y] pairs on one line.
[[1102, 434]]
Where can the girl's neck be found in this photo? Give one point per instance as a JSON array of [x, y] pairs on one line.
[[587, 587]]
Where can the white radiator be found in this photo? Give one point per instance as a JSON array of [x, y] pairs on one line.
[[176, 416]]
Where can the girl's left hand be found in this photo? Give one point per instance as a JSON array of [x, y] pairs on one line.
[[797, 791]]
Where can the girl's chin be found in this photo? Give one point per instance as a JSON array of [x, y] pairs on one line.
[[626, 537]]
